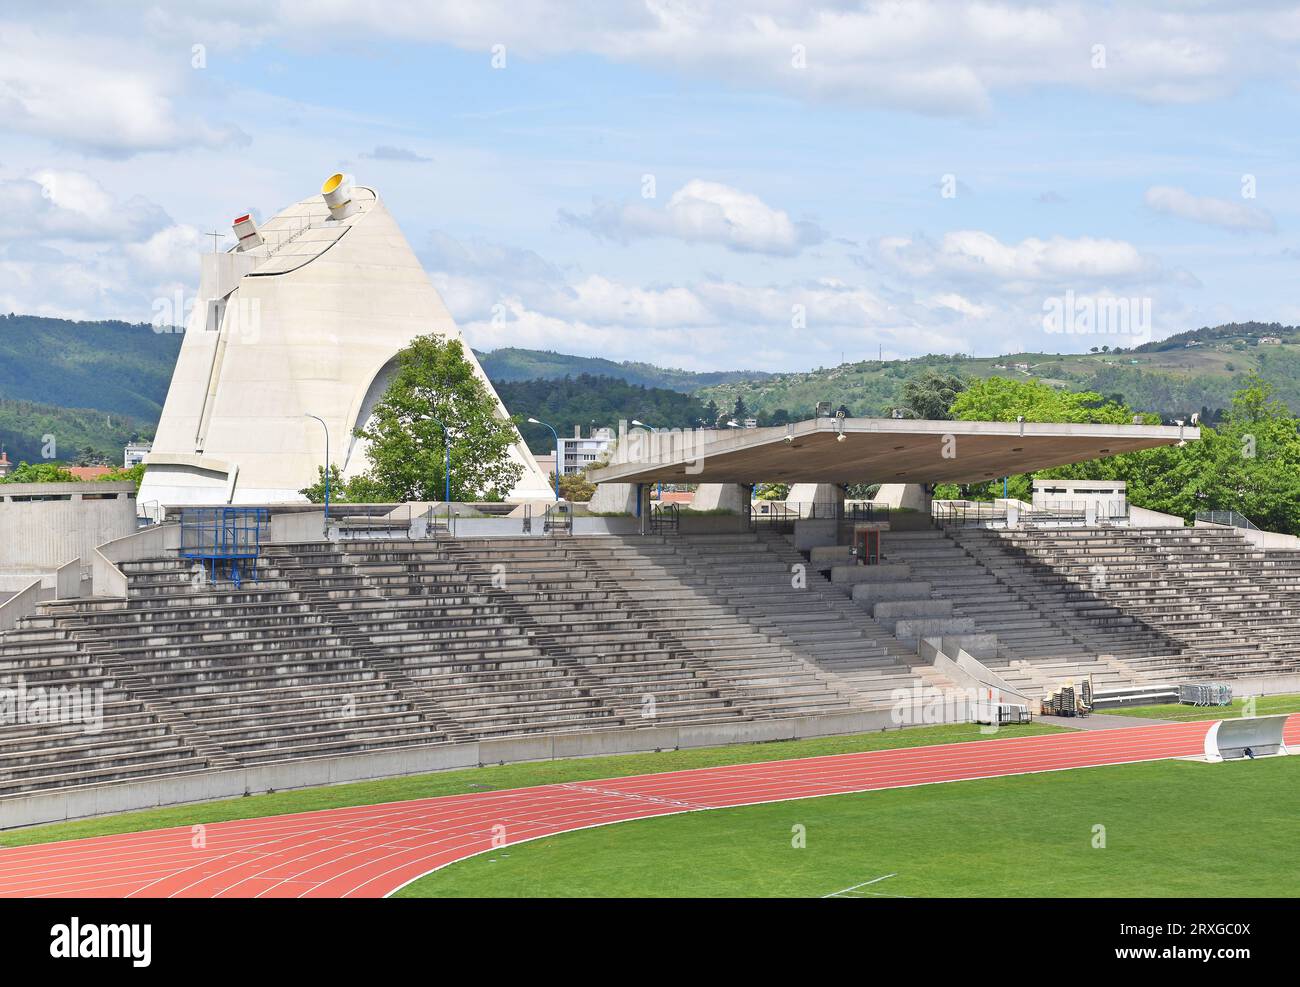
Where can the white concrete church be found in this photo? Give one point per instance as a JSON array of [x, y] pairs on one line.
[[304, 316]]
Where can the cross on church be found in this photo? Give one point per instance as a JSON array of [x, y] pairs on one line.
[[216, 238]]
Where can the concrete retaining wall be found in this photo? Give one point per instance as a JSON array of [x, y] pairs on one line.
[[151, 542], [600, 525], [1140, 517], [812, 532], [1260, 539], [710, 524], [298, 526], [310, 772], [67, 580], [43, 534], [21, 604]]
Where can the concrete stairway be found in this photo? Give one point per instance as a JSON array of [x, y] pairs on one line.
[[1025, 644], [765, 581]]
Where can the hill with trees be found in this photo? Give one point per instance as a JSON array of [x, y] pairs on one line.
[[511, 364]]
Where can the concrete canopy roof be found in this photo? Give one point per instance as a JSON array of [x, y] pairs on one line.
[[874, 450]]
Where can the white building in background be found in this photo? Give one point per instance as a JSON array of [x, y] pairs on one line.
[[1107, 498], [577, 453], [134, 452], [304, 316]]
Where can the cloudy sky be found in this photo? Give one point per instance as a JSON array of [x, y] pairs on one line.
[[774, 184]]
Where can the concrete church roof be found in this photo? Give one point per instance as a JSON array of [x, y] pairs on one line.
[[873, 450]]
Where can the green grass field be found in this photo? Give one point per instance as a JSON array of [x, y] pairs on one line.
[[491, 778], [1172, 829], [1262, 706]]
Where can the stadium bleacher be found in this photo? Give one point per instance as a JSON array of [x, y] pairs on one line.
[[372, 644]]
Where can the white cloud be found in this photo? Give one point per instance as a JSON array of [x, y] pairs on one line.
[[103, 93], [704, 212], [65, 204], [170, 254], [1207, 209], [981, 257], [926, 56]]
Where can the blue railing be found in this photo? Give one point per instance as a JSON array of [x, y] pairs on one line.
[[225, 539]]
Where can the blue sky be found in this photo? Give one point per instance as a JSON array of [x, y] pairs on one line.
[[828, 179]]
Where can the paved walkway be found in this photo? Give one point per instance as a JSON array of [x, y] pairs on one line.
[[1101, 721]]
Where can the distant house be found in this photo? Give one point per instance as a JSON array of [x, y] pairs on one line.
[[1272, 340], [88, 473]]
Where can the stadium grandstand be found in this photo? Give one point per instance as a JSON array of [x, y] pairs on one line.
[[243, 640]]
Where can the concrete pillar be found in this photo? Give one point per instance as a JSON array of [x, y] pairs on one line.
[[613, 498], [904, 495], [721, 497], [824, 495]]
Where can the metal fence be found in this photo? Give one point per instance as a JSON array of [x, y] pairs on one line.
[[991, 513], [664, 518], [1233, 518], [780, 515], [1212, 694], [558, 519]]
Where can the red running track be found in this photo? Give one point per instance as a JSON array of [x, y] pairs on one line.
[[371, 851]]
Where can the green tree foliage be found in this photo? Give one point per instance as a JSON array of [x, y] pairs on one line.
[[510, 364], [40, 473], [135, 474], [96, 436], [585, 401], [932, 393], [358, 490], [1250, 463], [575, 487], [436, 387], [771, 491], [109, 366]]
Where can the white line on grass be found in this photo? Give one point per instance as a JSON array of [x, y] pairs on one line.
[[874, 880]]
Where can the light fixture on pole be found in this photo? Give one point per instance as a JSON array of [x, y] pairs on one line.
[[660, 484], [446, 460], [327, 471], [535, 421]]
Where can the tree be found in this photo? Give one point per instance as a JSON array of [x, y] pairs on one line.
[[435, 386], [932, 393], [575, 487], [1002, 399], [738, 411], [360, 489], [134, 474], [40, 473], [771, 491]]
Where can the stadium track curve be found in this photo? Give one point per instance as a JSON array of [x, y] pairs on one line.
[[371, 851]]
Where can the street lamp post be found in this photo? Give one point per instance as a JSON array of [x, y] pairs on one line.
[[327, 471], [660, 484], [534, 421], [446, 461]]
